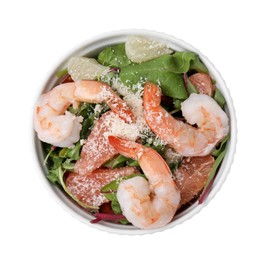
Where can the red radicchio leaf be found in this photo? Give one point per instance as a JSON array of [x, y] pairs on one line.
[[104, 216]]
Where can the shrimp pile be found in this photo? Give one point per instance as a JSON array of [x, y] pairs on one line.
[[150, 201]]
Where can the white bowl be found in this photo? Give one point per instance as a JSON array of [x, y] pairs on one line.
[[91, 48]]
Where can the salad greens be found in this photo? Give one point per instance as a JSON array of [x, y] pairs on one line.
[[62, 159], [190, 87], [120, 161], [187, 60], [114, 56], [198, 66], [219, 98], [62, 73], [221, 147], [171, 72]]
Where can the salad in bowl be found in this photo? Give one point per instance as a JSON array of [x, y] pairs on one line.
[[133, 131]]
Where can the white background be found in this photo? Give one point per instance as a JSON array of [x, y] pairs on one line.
[[35, 34]]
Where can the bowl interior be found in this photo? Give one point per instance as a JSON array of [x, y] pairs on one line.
[[90, 49]]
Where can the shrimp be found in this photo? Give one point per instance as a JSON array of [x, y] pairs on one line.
[[147, 204], [187, 140], [59, 127]]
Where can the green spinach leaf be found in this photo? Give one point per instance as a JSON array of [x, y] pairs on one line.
[[119, 161], [198, 66], [114, 56], [187, 60], [161, 71], [177, 104], [219, 98], [213, 172], [132, 162], [190, 87], [62, 72], [115, 205], [113, 185], [215, 167], [183, 60], [216, 152], [116, 161], [111, 196]]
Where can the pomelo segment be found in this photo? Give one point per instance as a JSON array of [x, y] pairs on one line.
[[82, 68], [203, 83], [192, 175], [140, 49], [86, 188], [97, 149]]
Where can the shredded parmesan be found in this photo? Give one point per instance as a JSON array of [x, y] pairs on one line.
[[133, 99], [117, 127], [171, 156], [97, 149]]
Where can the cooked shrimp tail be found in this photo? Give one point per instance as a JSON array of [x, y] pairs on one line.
[[152, 95], [122, 146]]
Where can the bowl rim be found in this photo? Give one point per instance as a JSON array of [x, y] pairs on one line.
[[66, 203]]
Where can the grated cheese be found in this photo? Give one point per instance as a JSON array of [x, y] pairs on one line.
[[171, 156], [97, 149], [134, 100]]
